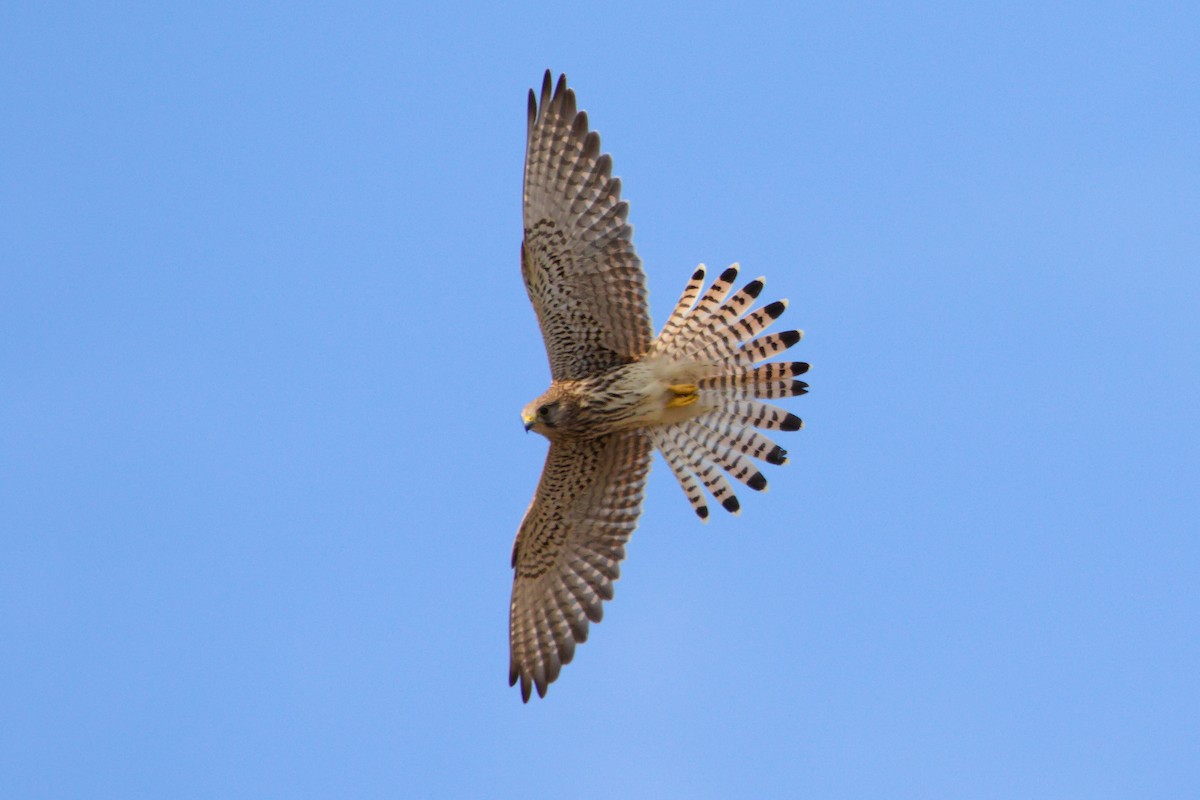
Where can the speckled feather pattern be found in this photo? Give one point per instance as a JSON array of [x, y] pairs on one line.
[[569, 549], [581, 271]]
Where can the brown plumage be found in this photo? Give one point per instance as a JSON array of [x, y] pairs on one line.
[[694, 393]]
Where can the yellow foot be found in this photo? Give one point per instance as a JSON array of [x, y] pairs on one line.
[[685, 395]]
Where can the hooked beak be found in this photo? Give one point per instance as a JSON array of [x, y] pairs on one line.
[[528, 421]]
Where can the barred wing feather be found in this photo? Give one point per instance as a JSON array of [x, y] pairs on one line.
[[569, 548], [581, 271]]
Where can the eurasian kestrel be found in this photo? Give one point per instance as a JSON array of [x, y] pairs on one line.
[[695, 393]]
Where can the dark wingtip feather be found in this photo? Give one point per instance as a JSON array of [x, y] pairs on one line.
[[778, 456], [579, 129], [604, 166], [799, 388], [757, 482], [698, 275], [702, 512], [731, 504], [754, 288], [775, 309], [799, 367], [789, 338], [567, 108], [591, 141], [568, 653], [729, 275], [791, 423]]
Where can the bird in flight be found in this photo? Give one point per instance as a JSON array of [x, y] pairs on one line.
[[695, 393]]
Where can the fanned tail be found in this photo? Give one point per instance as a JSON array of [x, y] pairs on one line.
[[717, 339]]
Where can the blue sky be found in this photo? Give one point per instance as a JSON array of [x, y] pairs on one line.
[[263, 348]]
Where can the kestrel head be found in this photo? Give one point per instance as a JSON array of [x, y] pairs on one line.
[[549, 415]]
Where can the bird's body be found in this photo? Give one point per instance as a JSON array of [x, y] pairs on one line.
[[694, 393], [651, 391]]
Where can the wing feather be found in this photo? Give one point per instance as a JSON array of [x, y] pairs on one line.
[[569, 548], [582, 273]]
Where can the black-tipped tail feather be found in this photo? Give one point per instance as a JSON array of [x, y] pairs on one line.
[[716, 333]]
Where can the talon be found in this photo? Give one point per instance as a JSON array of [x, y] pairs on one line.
[[685, 395]]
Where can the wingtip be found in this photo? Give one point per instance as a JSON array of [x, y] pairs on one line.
[[526, 688]]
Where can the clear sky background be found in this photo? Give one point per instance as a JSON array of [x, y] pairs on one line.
[[264, 344]]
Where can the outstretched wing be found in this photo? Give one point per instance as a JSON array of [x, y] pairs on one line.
[[581, 271], [569, 548]]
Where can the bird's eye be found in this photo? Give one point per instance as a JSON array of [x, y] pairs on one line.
[[543, 412]]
